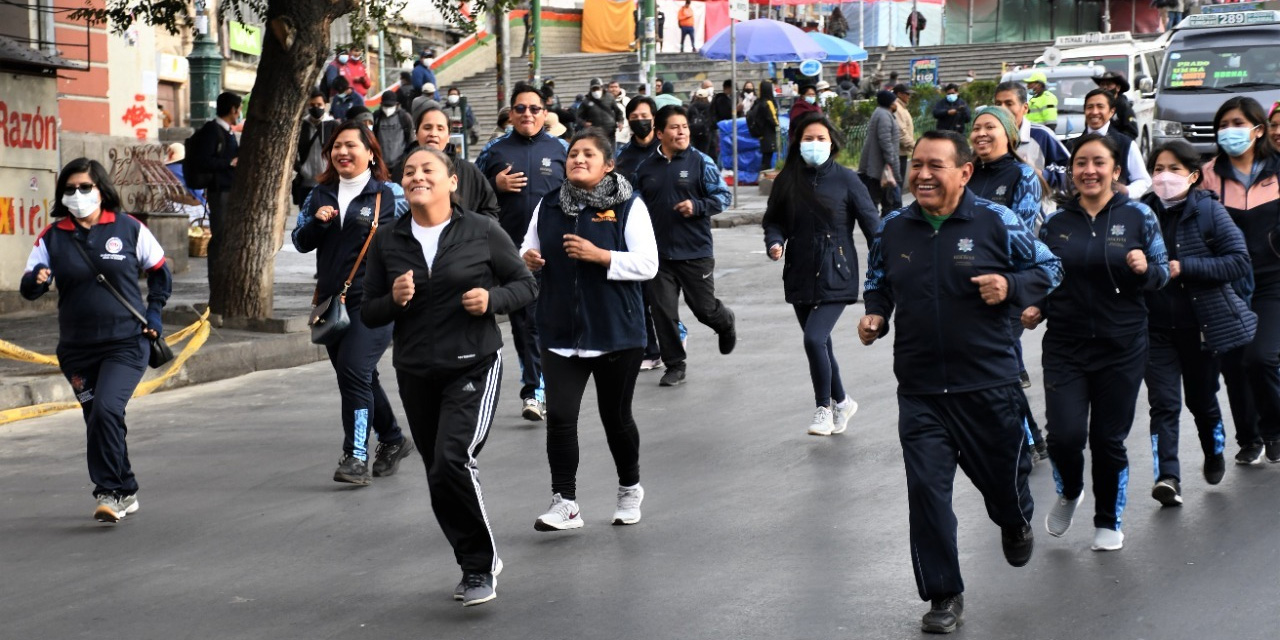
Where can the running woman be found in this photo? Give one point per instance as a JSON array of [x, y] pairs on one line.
[[1095, 347], [441, 274], [1194, 319], [593, 243], [810, 219]]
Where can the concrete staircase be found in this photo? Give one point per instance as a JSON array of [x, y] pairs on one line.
[[954, 60]]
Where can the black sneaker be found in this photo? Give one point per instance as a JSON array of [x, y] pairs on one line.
[[478, 587], [1018, 543], [1024, 379], [729, 338], [1168, 492], [945, 615], [1042, 451], [388, 457], [672, 378], [1215, 466], [1251, 454], [1273, 451], [353, 470]]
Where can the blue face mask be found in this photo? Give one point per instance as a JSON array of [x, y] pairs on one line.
[[811, 99], [952, 97], [1235, 140], [342, 59], [815, 152]]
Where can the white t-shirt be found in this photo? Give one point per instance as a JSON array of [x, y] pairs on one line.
[[429, 238]]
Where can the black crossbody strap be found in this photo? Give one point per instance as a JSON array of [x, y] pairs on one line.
[[103, 281]]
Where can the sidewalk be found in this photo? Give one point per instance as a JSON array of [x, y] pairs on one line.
[[228, 352]]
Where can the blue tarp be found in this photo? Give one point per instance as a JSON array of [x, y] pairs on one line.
[[748, 149]]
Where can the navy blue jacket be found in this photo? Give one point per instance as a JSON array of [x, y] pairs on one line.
[[665, 182], [630, 155], [339, 244], [1009, 182], [212, 150], [1212, 254], [1056, 157], [947, 122], [1102, 297], [121, 248], [949, 340], [540, 158], [820, 261], [578, 306]]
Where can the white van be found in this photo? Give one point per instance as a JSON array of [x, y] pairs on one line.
[[1137, 59]]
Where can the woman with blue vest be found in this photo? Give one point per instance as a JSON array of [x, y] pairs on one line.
[[102, 349], [334, 221], [1194, 319], [1003, 177], [810, 219], [1246, 176], [593, 242], [440, 274], [1095, 348]]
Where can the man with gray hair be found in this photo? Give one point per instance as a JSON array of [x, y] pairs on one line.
[[1037, 144]]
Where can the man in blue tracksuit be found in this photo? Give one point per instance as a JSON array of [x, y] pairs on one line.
[[683, 189], [960, 262], [522, 166]]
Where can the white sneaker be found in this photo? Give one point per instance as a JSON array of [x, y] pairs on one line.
[[1107, 540], [650, 364], [560, 516], [822, 422], [114, 509], [532, 409], [843, 411], [1061, 514], [629, 499]]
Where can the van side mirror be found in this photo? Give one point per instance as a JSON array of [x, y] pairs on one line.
[[1145, 85]]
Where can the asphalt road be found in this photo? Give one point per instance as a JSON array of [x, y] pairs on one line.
[[751, 528]]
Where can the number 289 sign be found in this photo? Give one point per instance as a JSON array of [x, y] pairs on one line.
[[924, 71]]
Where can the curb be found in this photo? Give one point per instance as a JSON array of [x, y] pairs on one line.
[[737, 219], [227, 354]]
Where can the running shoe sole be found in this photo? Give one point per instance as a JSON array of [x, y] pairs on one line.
[[540, 525], [360, 481], [532, 414], [1166, 495], [106, 514]]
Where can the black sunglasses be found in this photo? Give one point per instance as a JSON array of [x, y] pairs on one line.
[[84, 187], [534, 109]]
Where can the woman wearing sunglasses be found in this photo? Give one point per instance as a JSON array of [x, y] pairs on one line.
[[1244, 174], [102, 350]]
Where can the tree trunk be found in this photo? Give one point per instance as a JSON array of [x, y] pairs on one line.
[[295, 45]]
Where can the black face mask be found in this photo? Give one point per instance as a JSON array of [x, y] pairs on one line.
[[748, 91], [316, 112], [641, 128]]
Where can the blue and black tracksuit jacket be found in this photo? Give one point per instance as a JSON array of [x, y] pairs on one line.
[[540, 158], [1102, 297], [339, 240], [1009, 182], [665, 182], [949, 340]]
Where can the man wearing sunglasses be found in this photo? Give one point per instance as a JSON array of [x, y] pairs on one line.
[[523, 166]]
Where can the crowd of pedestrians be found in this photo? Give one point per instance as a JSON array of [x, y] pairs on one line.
[[1158, 268]]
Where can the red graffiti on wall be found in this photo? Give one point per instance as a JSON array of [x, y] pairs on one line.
[[137, 114], [25, 130], [22, 216]]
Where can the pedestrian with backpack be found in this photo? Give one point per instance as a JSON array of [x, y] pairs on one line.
[[210, 165], [317, 128], [762, 124]]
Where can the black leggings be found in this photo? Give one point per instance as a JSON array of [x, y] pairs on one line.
[[818, 321], [566, 379]]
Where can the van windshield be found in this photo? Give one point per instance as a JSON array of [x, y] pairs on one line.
[[1233, 68], [1116, 63]]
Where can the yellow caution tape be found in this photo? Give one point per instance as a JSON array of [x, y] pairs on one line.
[[198, 332]]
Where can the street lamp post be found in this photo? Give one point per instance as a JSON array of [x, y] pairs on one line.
[[206, 70]]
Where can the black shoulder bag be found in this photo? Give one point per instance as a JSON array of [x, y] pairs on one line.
[[329, 319], [160, 351]]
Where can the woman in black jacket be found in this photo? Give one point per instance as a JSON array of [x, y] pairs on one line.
[[335, 220], [593, 241], [102, 348], [809, 219], [474, 192], [1095, 347], [1195, 318], [441, 274]]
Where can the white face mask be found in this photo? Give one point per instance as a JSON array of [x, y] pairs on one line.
[[597, 94], [1170, 186], [82, 205], [453, 99], [391, 110]]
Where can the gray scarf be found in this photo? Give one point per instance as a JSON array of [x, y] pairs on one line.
[[609, 192]]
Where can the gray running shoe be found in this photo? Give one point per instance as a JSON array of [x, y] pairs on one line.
[[460, 591], [1061, 514], [480, 587], [1107, 540], [112, 508]]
